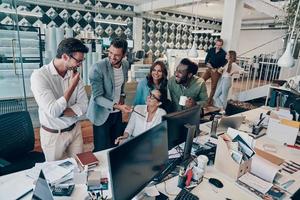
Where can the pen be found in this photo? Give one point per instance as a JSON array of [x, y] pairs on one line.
[[292, 165], [293, 146], [23, 195], [260, 121], [295, 163], [290, 168], [138, 113]]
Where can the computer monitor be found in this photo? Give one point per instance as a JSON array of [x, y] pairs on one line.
[[135, 163], [177, 131], [130, 44], [106, 41]]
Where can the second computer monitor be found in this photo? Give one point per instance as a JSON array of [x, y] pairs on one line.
[[177, 131], [134, 163]]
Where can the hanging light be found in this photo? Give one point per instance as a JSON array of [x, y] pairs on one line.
[[287, 60], [193, 51]]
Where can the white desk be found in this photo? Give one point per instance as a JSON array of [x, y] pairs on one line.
[[205, 191]]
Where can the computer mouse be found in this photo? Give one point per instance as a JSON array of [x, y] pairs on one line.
[[215, 182]]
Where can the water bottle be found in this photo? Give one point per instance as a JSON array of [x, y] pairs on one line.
[[214, 126]]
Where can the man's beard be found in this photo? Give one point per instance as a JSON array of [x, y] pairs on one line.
[[117, 63], [182, 80], [74, 69]]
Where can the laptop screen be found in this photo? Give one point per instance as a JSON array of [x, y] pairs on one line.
[[42, 190]]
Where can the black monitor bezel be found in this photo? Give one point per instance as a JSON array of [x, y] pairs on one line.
[[174, 116], [133, 141]]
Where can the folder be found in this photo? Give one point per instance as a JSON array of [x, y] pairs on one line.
[[284, 131]]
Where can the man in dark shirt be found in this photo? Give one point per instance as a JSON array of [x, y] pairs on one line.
[[215, 59]]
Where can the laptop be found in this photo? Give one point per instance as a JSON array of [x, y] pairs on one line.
[[42, 190], [228, 122]]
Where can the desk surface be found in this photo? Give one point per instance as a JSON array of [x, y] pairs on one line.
[[204, 190]]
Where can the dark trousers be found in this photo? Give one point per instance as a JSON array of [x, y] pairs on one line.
[[215, 76], [105, 135]]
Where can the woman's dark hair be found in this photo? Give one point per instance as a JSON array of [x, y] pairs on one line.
[[232, 58], [70, 46], [165, 102], [163, 82]]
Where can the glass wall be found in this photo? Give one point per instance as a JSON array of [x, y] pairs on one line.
[[20, 54]]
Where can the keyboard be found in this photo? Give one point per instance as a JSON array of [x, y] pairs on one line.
[[170, 166], [186, 195]]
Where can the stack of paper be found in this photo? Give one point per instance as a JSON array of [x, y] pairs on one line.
[[55, 172]]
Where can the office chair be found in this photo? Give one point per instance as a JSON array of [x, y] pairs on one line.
[[295, 109], [139, 55], [17, 143]]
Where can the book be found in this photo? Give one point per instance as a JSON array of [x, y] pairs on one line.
[[87, 159]]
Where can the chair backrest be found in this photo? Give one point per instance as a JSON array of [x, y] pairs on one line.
[[140, 54], [16, 133]]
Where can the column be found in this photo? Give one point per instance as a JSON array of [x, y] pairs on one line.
[[137, 31], [231, 23]]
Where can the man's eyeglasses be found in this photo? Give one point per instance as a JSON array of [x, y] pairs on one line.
[[78, 61], [152, 96]]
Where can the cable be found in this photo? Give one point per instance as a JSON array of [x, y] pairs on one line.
[[165, 188]]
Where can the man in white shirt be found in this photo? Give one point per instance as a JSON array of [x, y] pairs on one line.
[[108, 78], [62, 100]]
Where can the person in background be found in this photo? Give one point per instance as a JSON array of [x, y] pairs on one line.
[[62, 100], [156, 79], [144, 117], [224, 84], [108, 78], [215, 59], [186, 84]]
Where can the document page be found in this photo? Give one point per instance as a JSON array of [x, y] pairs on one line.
[[256, 183], [263, 168], [16, 187]]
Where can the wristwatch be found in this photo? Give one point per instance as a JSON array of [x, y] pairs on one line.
[[123, 95]]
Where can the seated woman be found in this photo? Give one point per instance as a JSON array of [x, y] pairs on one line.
[[156, 79], [224, 84], [144, 117]]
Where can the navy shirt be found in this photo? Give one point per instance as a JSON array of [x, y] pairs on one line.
[[216, 60]]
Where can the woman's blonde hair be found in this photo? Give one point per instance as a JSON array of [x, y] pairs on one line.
[[232, 58]]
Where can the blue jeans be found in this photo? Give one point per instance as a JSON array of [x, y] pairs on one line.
[[221, 94]]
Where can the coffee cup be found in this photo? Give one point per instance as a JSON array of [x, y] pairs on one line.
[[202, 161], [182, 100]]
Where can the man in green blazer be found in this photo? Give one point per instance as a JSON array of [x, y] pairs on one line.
[[108, 78]]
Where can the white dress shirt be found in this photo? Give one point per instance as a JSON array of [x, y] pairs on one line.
[[138, 124], [48, 88]]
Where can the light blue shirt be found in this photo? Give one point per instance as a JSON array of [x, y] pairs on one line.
[[142, 92]]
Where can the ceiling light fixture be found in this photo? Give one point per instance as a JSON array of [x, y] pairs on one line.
[[203, 31], [216, 34], [287, 60], [23, 13], [193, 51], [110, 21]]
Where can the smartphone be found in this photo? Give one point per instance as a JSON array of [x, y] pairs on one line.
[[63, 190]]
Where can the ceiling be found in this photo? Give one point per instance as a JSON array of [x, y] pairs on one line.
[[208, 8]]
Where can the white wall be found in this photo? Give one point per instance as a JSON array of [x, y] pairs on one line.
[[250, 39]]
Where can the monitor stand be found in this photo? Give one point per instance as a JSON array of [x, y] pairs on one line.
[[189, 141]]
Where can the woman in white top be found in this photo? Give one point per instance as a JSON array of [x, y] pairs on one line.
[[224, 84], [144, 117]]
